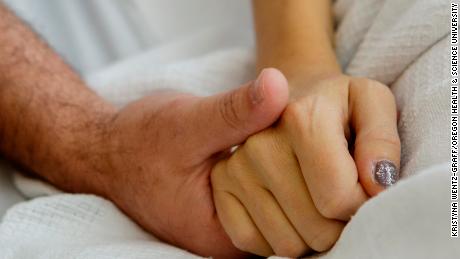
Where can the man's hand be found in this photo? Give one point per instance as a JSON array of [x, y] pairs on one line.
[[152, 158], [290, 188], [162, 149]]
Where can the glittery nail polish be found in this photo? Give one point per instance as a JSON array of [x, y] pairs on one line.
[[386, 173]]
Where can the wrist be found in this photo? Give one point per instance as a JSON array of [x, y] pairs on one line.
[[301, 82], [299, 72], [81, 155], [96, 153], [298, 79], [299, 61], [324, 83]]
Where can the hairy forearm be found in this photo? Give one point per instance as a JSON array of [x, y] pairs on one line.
[[295, 36], [50, 122]]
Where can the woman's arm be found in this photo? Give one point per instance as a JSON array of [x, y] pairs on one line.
[[295, 36], [288, 189]]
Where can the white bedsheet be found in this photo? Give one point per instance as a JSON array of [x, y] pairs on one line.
[[403, 43], [9, 195]]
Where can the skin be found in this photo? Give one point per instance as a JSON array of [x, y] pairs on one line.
[[288, 190], [153, 158]]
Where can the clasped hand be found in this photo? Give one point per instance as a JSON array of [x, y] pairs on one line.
[[290, 188], [287, 189]]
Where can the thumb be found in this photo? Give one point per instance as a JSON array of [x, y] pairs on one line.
[[377, 148], [228, 119]]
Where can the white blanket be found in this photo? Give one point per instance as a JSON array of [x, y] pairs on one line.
[[402, 43]]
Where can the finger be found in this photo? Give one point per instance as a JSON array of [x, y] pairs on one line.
[[227, 119], [321, 148], [272, 222], [239, 226], [284, 179], [377, 147]]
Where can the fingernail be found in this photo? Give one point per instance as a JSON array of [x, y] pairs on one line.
[[257, 89], [386, 173]]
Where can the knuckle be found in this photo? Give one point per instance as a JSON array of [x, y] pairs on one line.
[[239, 175], [294, 110], [263, 150], [244, 239], [369, 86], [389, 138], [256, 145], [338, 199], [331, 205], [290, 249], [325, 238], [228, 110], [237, 165], [383, 91], [295, 113], [302, 115]]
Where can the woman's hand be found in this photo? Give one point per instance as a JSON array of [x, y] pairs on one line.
[[288, 189]]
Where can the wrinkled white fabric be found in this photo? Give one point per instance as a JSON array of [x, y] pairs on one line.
[[410, 221], [403, 43], [93, 34], [9, 195]]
